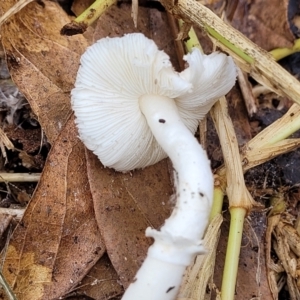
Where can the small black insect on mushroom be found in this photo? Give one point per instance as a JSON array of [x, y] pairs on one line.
[[170, 289]]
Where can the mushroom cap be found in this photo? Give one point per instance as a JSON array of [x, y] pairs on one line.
[[113, 75]]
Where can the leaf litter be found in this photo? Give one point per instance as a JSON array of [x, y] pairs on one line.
[[57, 261], [49, 242]]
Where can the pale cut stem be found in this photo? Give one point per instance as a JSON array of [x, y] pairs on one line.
[[15, 212], [246, 90], [13, 10], [19, 177], [233, 252], [180, 238]]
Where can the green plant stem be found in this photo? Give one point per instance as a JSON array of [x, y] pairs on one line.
[[233, 252], [288, 130], [230, 45], [93, 12], [278, 130], [280, 53], [217, 203], [192, 41]]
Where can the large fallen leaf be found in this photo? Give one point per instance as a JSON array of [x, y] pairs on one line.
[[265, 22], [101, 283], [57, 241], [42, 63], [44, 66], [125, 205]]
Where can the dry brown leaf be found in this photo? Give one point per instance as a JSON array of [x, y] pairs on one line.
[[43, 64], [265, 22], [101, 283], [79, 6], [125, 205], [57, 241]]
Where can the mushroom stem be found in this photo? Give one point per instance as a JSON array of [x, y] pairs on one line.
[[180, 239], [193, 175]]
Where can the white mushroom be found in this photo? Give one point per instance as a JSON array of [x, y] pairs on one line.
[[132, 110]]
